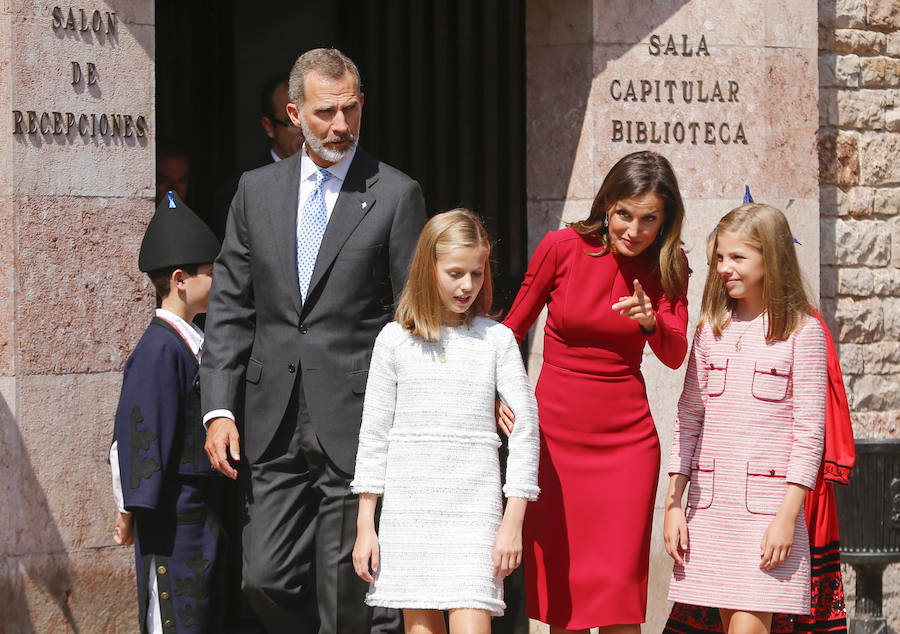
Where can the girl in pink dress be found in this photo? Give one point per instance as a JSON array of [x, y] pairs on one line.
[[749, 433]]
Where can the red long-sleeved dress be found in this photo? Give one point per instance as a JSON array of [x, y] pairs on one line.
[[587, 538]]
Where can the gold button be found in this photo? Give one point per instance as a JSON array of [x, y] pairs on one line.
[[164, 596], [169, 623], [161, 570]]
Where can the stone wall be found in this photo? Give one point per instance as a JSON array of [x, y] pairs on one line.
[[76, 191], [859, 173]]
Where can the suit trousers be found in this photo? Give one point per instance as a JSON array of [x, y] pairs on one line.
[[298, 536]]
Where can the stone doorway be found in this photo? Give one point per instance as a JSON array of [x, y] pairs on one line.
[[445, 102], [444, 84]]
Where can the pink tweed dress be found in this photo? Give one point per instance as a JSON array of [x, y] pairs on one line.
[[751, 418]]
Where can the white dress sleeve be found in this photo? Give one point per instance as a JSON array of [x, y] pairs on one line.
[[524, 444], [377, 417]]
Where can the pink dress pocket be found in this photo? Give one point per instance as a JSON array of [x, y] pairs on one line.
[[766, 484], [703, 480], [770, 380], [716, 370]]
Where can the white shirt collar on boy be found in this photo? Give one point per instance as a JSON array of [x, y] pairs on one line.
[[189, 332]]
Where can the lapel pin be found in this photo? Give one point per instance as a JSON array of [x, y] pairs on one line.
[[363, 204]]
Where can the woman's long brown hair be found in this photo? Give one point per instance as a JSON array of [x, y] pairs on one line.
[[637, 174]]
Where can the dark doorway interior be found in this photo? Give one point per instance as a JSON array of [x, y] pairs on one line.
[[444, 85]]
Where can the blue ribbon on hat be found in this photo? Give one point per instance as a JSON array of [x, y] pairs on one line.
[[748, 198], [171, 199]]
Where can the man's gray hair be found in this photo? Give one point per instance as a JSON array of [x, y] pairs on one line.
[[329, 62]]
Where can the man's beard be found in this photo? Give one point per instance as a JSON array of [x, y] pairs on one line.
[[319, 146]]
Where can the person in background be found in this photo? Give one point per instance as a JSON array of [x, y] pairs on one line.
[[173, 172], [285, 138]]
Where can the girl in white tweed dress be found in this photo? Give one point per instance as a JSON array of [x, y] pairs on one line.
[[749, 432], [428, 444]]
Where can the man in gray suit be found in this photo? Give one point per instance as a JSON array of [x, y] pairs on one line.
[[316, 251]]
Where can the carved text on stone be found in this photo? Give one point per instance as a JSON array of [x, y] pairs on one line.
[[692, 91], [86, 124]]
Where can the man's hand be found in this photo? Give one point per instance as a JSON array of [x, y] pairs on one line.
[[222, 439]]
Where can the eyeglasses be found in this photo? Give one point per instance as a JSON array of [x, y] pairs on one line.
[[277, 121]]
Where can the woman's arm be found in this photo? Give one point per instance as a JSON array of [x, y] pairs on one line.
[[669, 340], [675, 531], [365, 550], [377, 416], [540, 279], [507, 553], [691, 407], [809, 374], [779, 536], [524, 444]]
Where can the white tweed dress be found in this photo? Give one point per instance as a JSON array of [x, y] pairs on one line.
[[429, 445]]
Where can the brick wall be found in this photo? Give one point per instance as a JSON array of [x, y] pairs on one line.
[[859, 163]]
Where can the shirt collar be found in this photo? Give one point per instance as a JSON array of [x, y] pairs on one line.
[[275, 157], [189, 332], [338, 170]]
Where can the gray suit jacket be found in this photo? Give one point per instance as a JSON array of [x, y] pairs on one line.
[[259, 336]]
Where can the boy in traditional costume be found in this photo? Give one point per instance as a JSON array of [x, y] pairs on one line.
[[165, 489]]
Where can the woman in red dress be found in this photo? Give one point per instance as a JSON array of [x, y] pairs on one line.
[[612, 283]]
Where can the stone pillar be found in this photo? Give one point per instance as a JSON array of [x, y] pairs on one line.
[[859, 175], [76, 190], [607, 78]]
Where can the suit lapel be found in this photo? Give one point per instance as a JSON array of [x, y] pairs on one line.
[[283, 216], [353, 203]]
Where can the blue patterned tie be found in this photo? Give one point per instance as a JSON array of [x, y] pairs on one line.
[[310, 232]]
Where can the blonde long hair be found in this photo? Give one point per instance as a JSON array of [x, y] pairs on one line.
[[785, 298], [420, 309], [633, 175]]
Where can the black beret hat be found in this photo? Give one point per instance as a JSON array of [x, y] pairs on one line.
[[175, 237]]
